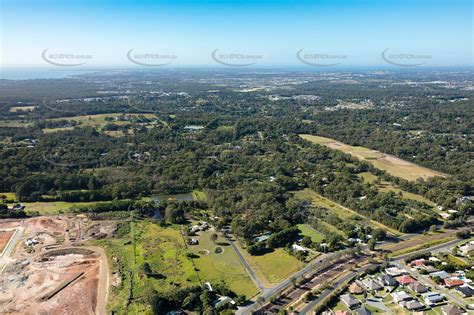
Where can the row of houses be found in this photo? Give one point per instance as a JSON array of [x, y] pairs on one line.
[[421, 298], [453, 280]]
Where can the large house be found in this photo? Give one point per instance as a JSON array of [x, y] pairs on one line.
[[387, 280], [452, 310], [371, 285], [395, 271], [466, 248], [453, 282], [405, 280], [432, 298], [355, 288], [417, 287], [350, 301], [465, 290], [362, 311], [440, 274], [412, 305], [401, 296]]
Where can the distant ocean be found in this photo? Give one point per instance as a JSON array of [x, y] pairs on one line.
[[38, 73]]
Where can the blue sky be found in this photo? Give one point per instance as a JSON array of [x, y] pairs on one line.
[[273, 30]]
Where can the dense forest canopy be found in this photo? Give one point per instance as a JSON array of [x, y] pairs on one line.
[[114, 136]]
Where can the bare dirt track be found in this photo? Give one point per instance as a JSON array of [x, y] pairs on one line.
[[5, 238], [58, 275]]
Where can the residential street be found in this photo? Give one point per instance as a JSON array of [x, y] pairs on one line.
[[426, 280]]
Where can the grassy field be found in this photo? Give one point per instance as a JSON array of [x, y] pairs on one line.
[[277, 265], [165, 251], [51, 130], [9, 195], [458, 261], [342, 212], [388, 163], [308, 231], [15, 109], [53, 207], [221, 267], [421, 245], [100, 119], [273, 267]]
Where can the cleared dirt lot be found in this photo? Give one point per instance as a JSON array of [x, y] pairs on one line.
[[57, 274]]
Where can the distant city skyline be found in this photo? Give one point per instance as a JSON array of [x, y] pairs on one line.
[[308, 34]]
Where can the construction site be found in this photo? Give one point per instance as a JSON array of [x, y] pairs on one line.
[[47, 266]]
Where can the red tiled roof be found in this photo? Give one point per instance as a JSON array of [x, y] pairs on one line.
[[339, 312], [405, 280], [453, 282]]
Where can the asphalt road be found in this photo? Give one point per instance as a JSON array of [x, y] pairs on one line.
[[249, 269]]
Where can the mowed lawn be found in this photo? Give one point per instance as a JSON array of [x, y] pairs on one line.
[[221, 267], [306, 230], [342, 212], [277, 265], [273, 267], [391, 164]]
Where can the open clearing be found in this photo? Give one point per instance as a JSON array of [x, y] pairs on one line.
[[389, 163], [163, 248], [387, 186], [342, 212], [225, 266], [15, 109], [274, 267], [8, 196], [52, 207], [306, 230], [103, 119]]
